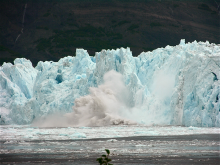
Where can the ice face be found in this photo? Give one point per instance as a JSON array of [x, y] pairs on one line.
[[16, 92], [169, 86]]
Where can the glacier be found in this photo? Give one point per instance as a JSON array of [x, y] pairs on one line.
[[175, 85]]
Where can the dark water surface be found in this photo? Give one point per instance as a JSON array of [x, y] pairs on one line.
[[151, 150]]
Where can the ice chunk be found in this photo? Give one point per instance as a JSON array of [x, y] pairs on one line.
[[77, 135]]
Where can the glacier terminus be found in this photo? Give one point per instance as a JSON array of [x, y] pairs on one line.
[[175, 85]]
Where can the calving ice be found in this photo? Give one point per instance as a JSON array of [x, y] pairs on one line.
[[175, 85]]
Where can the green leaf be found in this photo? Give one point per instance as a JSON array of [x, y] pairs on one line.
[[99, 160], [109, 160], [107, 151], [110, 164], [104, 156]]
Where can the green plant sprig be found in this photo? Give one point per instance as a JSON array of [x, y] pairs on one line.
[[104, 159]]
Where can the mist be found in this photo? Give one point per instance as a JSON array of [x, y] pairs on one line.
[[108, 104], [105, 105]]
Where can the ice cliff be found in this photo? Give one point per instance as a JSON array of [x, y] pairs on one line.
[[175, 85]]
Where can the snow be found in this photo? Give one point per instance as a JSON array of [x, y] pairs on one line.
[[175, 85]]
